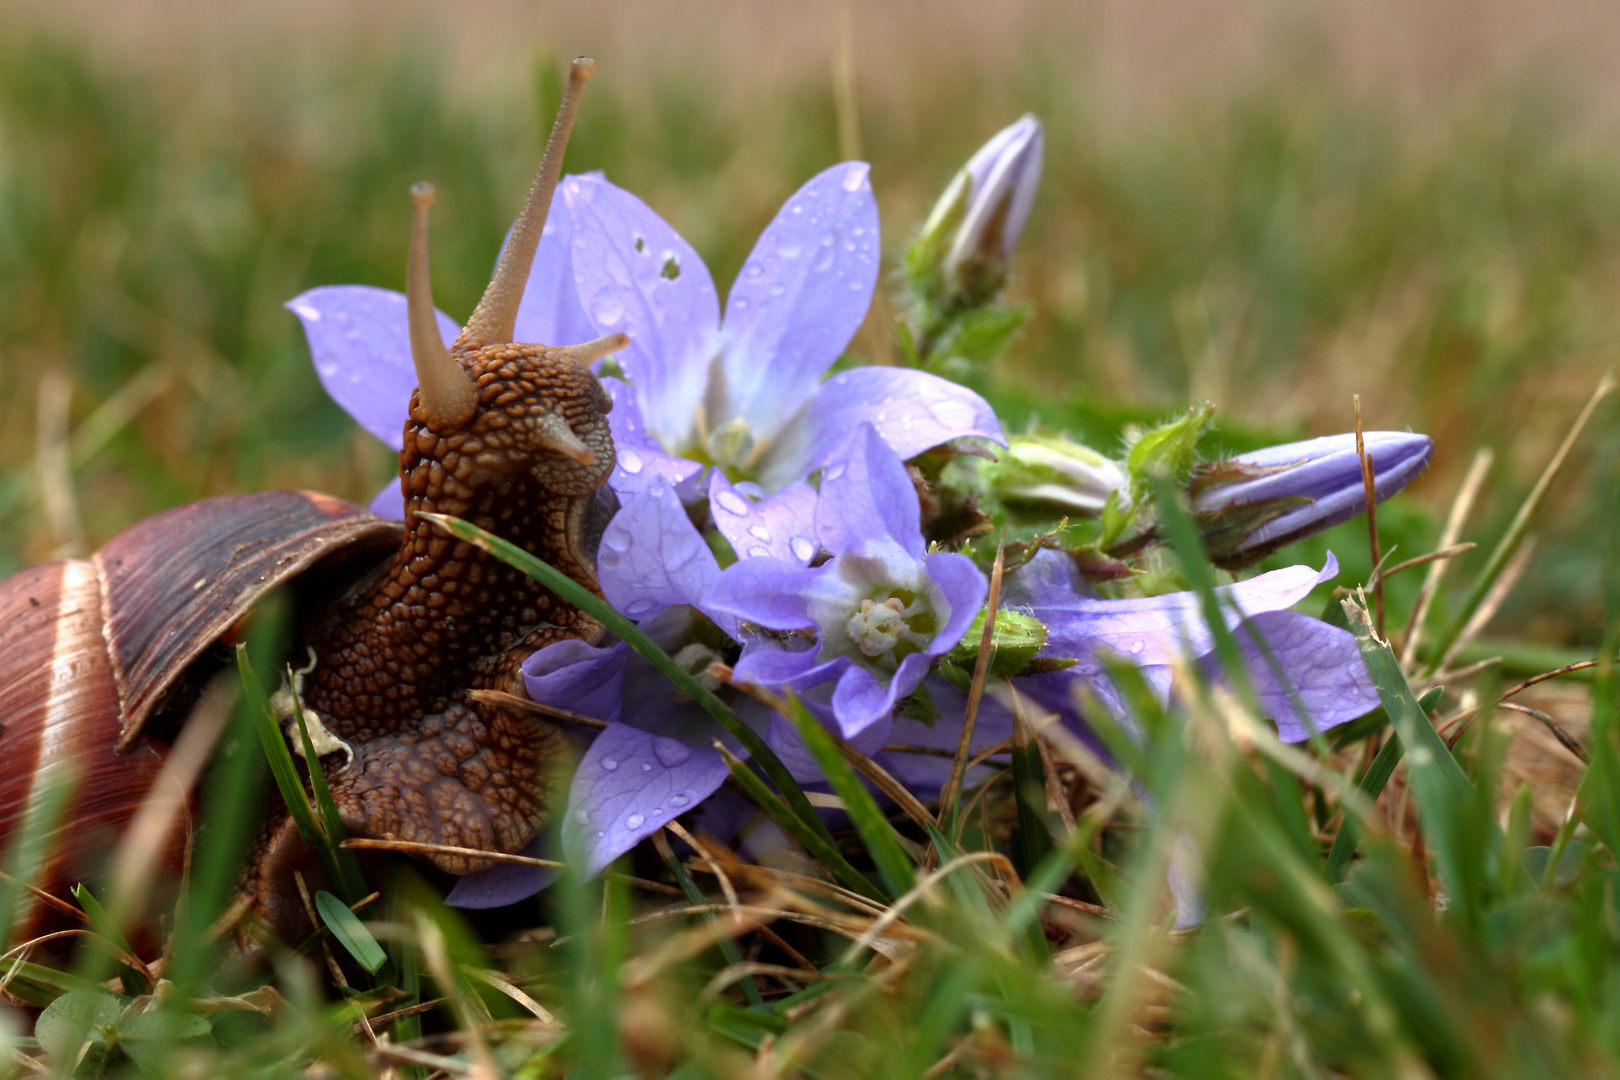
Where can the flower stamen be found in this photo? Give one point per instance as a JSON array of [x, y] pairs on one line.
[[878, 627]]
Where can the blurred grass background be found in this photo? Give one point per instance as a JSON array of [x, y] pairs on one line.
[[1269, 206]]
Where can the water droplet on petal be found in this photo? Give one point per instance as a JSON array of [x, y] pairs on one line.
[[853, 179], [600, 833], [827, 254], [759, 532], [757, 552], [634, 821], [610, 763], [312, 314], [755, 270], [1137, 647], [733, 502], [835, 470], [739, 303], [670, 752], [679, 799], [859, 231], [616, 540], [607, 309], [778, 289], [906, 421], [582, 815], [629, 460], [802, 548], [646, 766]]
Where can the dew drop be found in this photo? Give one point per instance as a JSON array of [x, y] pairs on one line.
[[607, 310], [827, 254], [639, 608], [859, 231], [835, 470], [1137, 647], [906, 421], [679, 799], [853, 179], [759, 532], [600, 834], [629, 460], [802, 548], [670, 752], [634, 821], [610, 763], [778, 289], [658, 811], [857, 286], [307, 312], [755, 270], [739, 303], [646, 766], [616, 540], [733, 502], [757, 552], [582, 815]]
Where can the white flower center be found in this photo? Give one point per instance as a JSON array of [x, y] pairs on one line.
[[878, 628]]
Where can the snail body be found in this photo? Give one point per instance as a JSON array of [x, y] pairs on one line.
[[102, 659]]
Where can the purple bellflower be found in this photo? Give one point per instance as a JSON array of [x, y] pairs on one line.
[[1255, 503], [1312, 680], [746, 393], [881, 609], [359, 339]]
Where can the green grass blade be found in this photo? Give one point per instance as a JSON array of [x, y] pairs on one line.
[[1034, 835], [820, 848], [728, 945], [1372, 785], [276, 752], [102, 923], [893, 865], [627, 631], [350, 932], [344, 865]]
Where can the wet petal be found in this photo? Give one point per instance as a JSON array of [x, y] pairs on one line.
[[780, 526], [861, 700], [766, 591], [773, 667], [800, 297], [638, 459], [361, 345], [651, 556], [912, 410], [1318, 662], [581, 678], [868, 504], [635, 273], [629, 784], [390, 501]]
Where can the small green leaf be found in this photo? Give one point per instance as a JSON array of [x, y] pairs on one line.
[[77, 1017], [350, 932]]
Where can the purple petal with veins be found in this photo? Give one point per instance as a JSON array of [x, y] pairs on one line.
[[503, 883], [910, 409], [361, 344], [389, 502], [925, 774], [652, 557], [635, 273], [860, 700], [1321, 667], [640, 460], [581, 678], [800, 297], [868, 504], [780, 526], [783, 737], [629, 784]]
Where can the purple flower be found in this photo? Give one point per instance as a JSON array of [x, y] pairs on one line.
[[359, 339], [881, 609], [971, 232], [1318, 667], [747, 393], [1255, 503]]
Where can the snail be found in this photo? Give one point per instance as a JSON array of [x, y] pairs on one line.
[[102, 659]]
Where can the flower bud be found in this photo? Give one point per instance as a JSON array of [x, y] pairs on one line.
[[971, 232], [1049, 473], [1255, 503]]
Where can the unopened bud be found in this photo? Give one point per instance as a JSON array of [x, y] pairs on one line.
[[1050, 473], [1255, 503]]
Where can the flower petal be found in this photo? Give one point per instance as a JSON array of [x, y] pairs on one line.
[[1161, 629], [868, 504], [635, 273], [911, 409], [640, 460], [801, 296], [925, 774], [550, 312], [361, 344], [1320, 661], [964, 587], [651, 556], [503, 883], [780, 526], [390, 501], [773, 667], [628, 785], [770, 592], [860, 700], [784, 738], [581, 678]]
